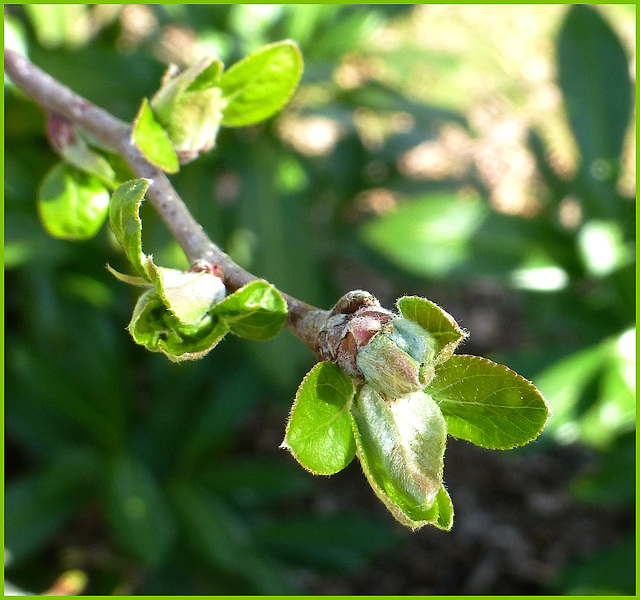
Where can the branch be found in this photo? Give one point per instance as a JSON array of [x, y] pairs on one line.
[[304, 321]]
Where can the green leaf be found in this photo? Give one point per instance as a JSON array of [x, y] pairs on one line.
[[189, 296], [592, 392], [223, 540], [153, 141], [259, 85], [439, 323], [130, 279], [125, 221], [176, 317], [189, 106], [37, 505], [319, 428], [195, 122], [444, 235], [84, 158], [156, 328], [200, 76], [72, 205], [137, 510], [444, 507], [488, 404], [400, 443], [208, 77], [256, 311], [593, 73]]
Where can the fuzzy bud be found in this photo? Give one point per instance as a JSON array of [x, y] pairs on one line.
[[373, 345], [399, 359]]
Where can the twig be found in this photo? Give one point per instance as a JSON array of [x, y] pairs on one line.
[[304, 320]]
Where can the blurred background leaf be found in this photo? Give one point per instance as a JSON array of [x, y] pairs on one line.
[[482, 156]]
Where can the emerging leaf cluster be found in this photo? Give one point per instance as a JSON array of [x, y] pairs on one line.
[[184, 116], [73, 197], [179, 123], [185, 314], [400, 441], [416, 391]]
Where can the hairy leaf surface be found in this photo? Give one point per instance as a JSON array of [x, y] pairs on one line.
[[319, 431], [400, 443], [439, 323], [488, 404], [125, 221]]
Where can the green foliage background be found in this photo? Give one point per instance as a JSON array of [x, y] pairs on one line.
[[427, 151]]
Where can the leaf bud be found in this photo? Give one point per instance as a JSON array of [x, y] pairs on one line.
[[189, 106], [398, 360]]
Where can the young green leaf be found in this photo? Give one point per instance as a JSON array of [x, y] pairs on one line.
[[259, 85], [200, 76], [189, 106], [125, 221], [487, 404], [400, 443], [444, 507], [84, 158], [188, 295], [153, 141], [208, 77], [440, 514], [256, 311], [156, 328], [319, 431], [439, 323], [72, 205], [130, 279], [195, 122]]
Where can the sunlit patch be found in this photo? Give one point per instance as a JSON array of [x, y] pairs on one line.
[[602, 247], [570, 212], [378, 201], [542, 279], [178, 44], [312, 136], [138, 22]]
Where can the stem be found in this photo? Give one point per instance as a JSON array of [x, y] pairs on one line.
[[304, 320]]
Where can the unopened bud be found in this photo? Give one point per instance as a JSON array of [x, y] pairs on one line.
[[395, 355], [398, 360], [190, 113]]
